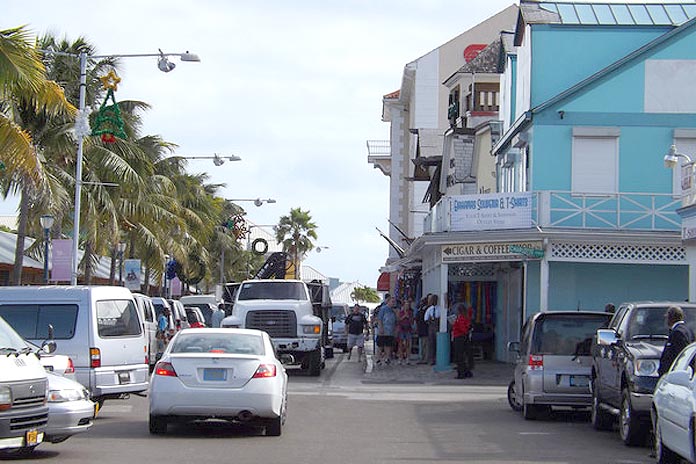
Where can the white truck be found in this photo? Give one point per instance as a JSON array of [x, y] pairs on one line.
[[283, 309]]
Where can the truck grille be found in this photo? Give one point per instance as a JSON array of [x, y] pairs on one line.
[[277, 324], [31, 422], [28, 394]]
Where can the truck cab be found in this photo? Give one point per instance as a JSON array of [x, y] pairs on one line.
[[283, 309]]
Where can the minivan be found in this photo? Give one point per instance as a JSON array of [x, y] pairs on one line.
[[146, 312], [98, 327], [554, 361]]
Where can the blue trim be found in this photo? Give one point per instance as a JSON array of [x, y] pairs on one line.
[[571, 118]]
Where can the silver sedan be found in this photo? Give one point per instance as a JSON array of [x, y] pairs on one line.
[[70, 410], [227, 374]]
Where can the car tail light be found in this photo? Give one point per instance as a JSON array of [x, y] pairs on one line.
[[536, 362], [265, 370], [71, 367], [147, 358], [165, 369], [94, 357]]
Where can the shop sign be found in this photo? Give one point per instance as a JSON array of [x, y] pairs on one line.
[[499, 251], [492, 211], [688, 228]]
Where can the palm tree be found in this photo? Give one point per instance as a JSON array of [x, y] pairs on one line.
[[31, 106], [364, 293], [296, 232]]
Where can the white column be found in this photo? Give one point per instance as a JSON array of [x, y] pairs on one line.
[[544, 285], [691, 259]]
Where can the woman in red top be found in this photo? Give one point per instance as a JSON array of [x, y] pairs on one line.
[[461, 339]]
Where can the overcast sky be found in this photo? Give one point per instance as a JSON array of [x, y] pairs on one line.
[[293, 88]]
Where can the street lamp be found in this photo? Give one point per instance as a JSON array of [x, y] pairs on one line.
[[46, 223], [321, 248], [121, 250], [257, 201], [218, 160], [82, 126], [672, 157]]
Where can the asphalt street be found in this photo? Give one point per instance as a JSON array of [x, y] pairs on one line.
[[345, 416]]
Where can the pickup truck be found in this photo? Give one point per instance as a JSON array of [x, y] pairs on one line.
[[625, 358]]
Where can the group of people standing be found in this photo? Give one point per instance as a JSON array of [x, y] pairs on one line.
[[396, 324]]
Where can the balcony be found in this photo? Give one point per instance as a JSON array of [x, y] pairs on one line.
[[567, 210]]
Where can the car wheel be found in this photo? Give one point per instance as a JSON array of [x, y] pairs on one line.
[[662, 454], [512, 397], [599, 418], [314, 364], [158, 425], [275, 427], [630, 429]]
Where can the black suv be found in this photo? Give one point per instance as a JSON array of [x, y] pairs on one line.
[[625, 358]]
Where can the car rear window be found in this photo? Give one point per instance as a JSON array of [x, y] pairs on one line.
[[650, 322], [279, 290], [117, 318], [567, 335], [31, 320], [219, 343]]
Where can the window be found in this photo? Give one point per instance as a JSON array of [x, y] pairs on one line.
[[117, 318], [219, 343], [595, 160], [280, 290], [567, 335], [31, 321]]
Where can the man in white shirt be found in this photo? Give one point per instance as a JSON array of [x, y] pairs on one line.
[[432, 318]]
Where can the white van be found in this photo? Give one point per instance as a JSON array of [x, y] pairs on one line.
[[98, 327], [23, 392], [146, 312]]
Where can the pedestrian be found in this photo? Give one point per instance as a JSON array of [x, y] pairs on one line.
[[432, 318], [680, 335], [218, 315], [404, 333], [422, 330], [461, 338], [610, 308], [162, 334], [357, 329], [386, 327]]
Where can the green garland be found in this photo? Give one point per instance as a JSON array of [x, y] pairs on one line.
[[108, 123]]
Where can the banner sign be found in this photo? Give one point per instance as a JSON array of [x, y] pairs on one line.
[[131, 274], [175, 285], [61, 270], [492, 211], [500, 251]]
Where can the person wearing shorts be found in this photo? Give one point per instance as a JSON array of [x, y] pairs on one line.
[[386, 327], [356, 326]]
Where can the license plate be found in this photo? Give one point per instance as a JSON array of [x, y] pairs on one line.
[[579, 381], [32, 437], [215, 374], [124, 377]]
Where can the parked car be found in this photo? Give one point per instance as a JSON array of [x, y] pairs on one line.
[[625, 359], [179, 314], [70, 410], [674, 409], [553, 361], [206, 303], [229, 374], [338, 315], [146, 311], [98, 327], [194, 317], [55, 363]]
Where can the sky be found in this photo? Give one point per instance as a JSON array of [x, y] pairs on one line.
[[293, 88]]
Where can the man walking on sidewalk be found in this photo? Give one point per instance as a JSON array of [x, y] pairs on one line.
[[356, 327], [386, 327]]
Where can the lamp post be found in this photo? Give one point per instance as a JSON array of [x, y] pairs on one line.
[[320, 248], [46, 223], [256, 201], [687, 174], [218, 160], [121, 250], [82, 126]]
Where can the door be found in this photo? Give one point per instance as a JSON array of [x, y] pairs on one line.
[[676, 405], [119, 334]]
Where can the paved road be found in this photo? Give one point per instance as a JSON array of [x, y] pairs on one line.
[[339, 418]]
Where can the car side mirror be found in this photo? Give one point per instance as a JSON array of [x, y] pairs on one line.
[[681, 378], [514, 347], [607, 337], [48, 347]]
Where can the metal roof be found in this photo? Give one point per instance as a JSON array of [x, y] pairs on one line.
[[628, 14]]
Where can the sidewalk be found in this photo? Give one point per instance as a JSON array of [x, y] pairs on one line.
[[485, 373]]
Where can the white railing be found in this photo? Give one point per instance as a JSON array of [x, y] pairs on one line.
[[558, 209]]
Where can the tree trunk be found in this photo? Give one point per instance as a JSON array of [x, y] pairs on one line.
[[21, 235], [87, 258], [147, 281], [112, 269]]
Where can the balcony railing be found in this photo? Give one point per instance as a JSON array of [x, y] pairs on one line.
[[558, 209]]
